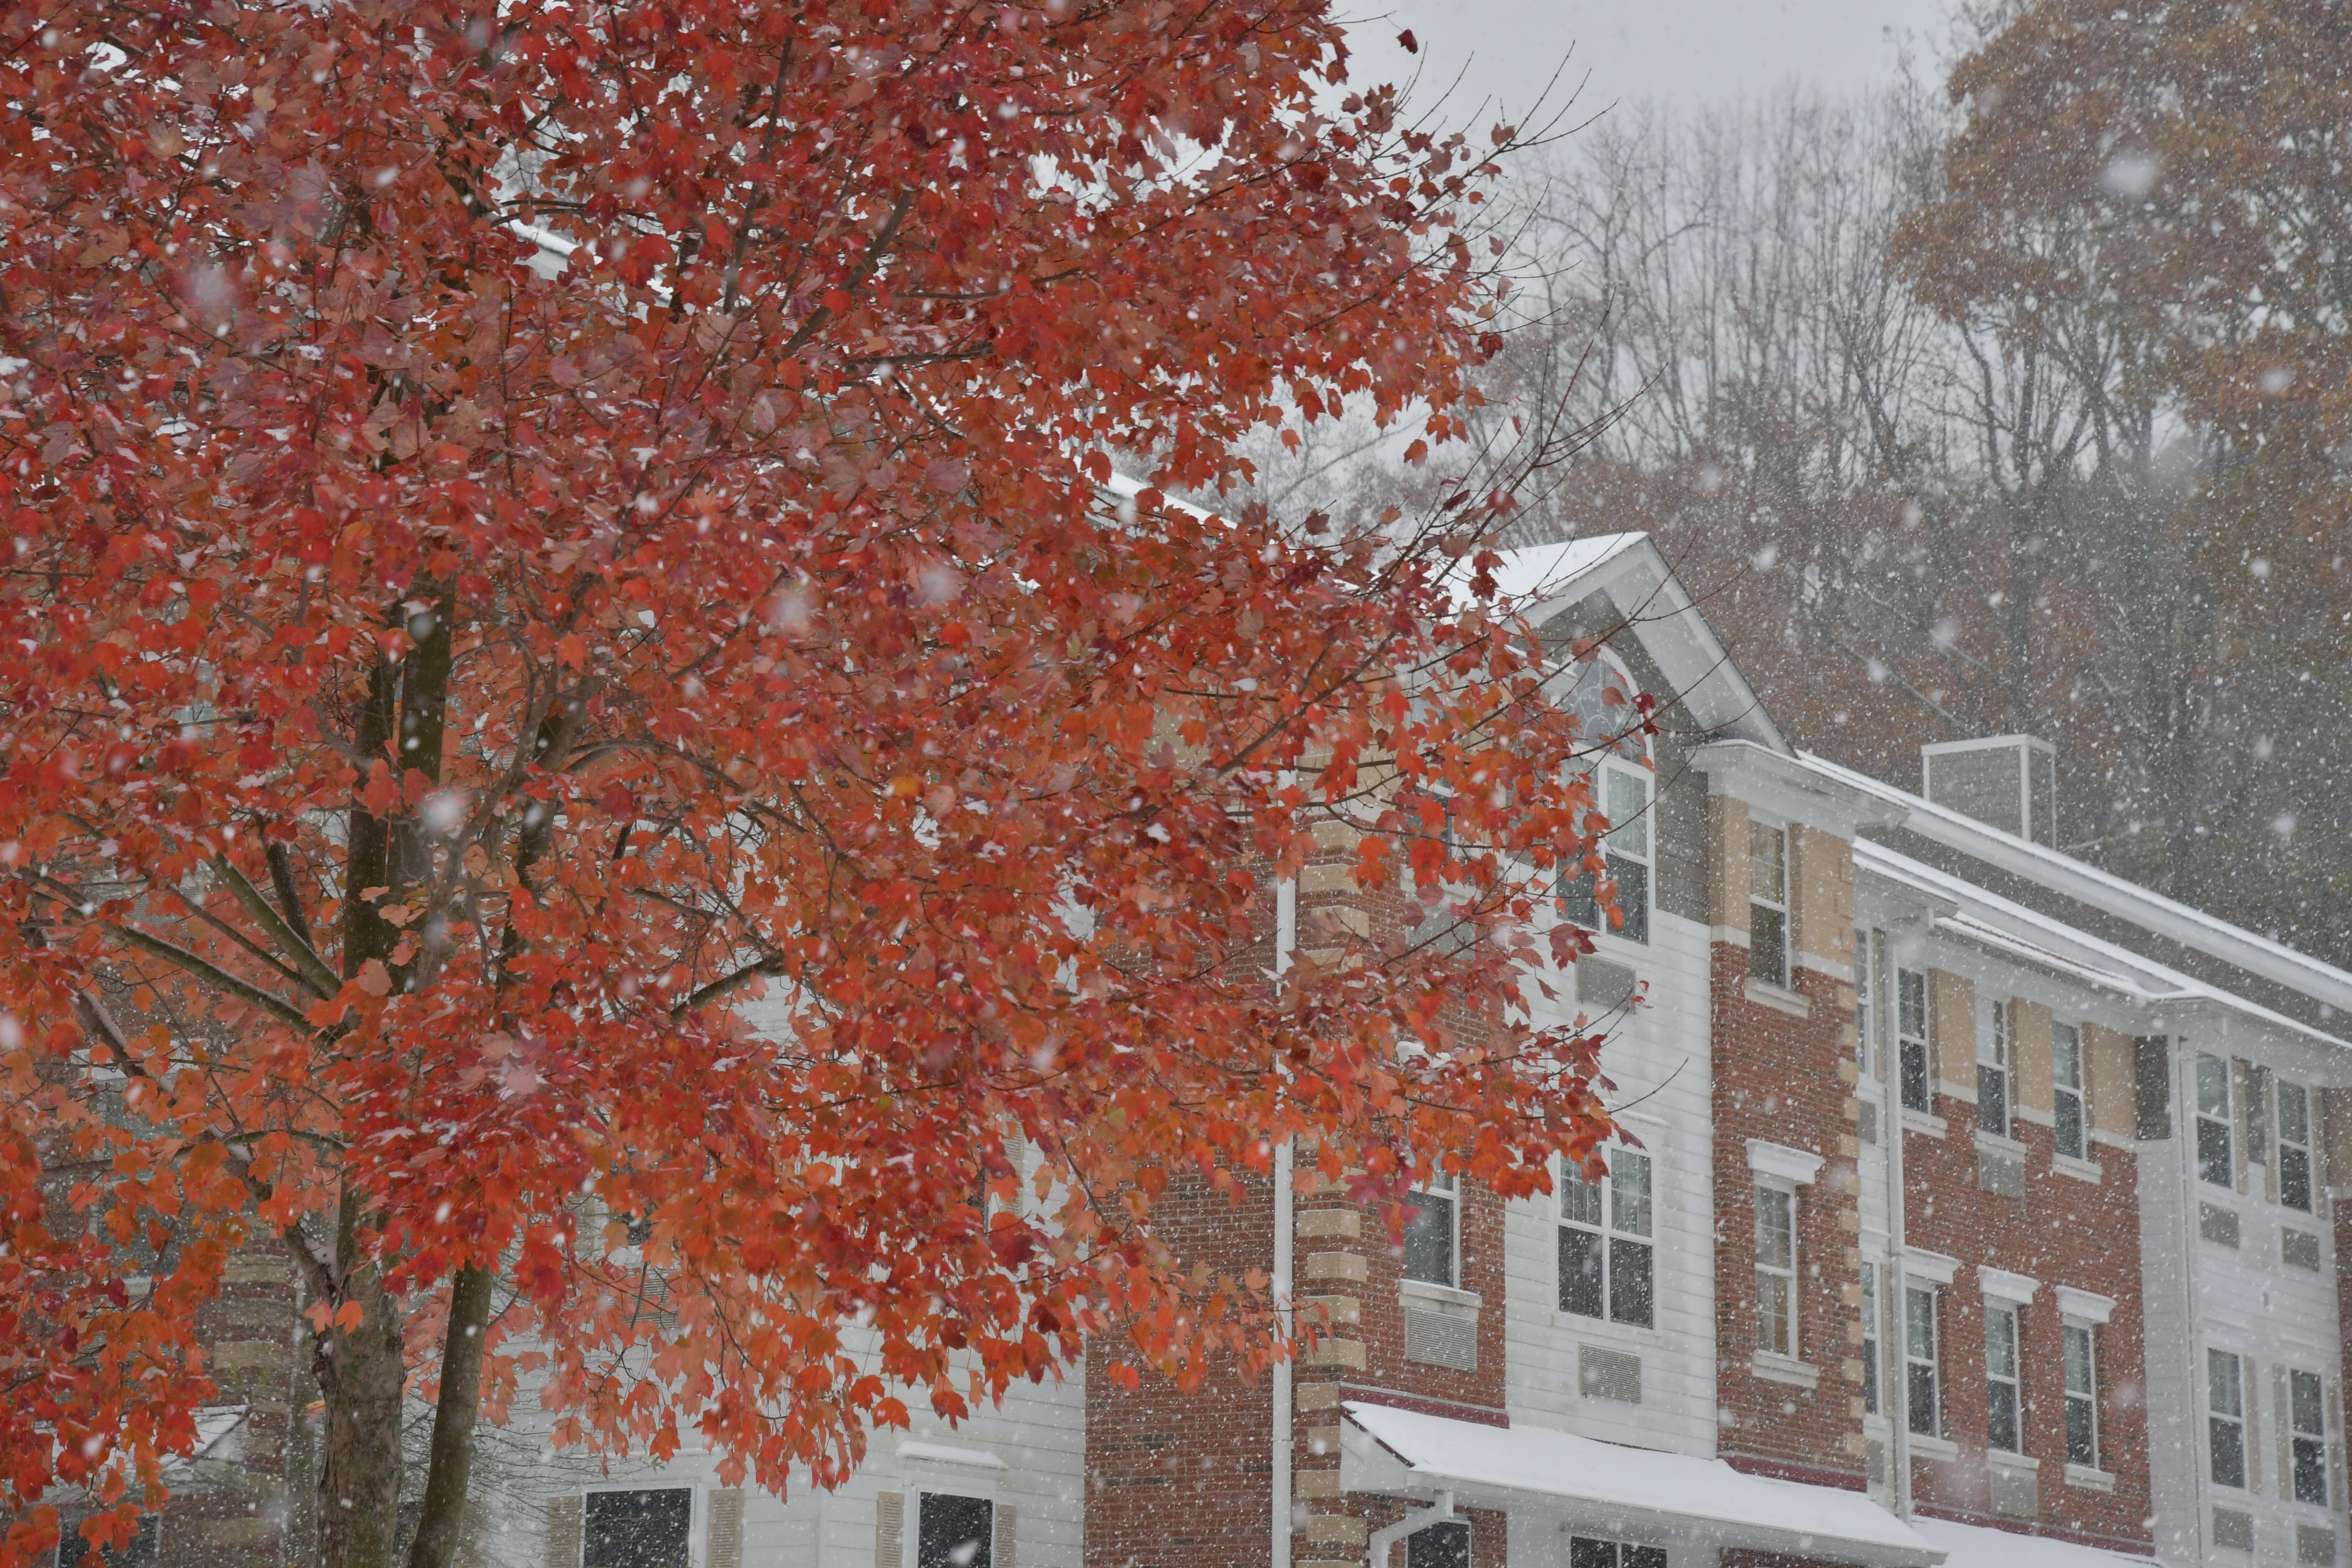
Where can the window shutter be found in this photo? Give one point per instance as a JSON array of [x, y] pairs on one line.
[[2152, 1086], [563, 1533], [727, 1528], [1004, 1541], [2241, 1114], [2280, 1426], [2250, 1379], [2335, 1402], [889, 1522]]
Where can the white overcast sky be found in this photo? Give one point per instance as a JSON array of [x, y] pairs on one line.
[[1687, 52]]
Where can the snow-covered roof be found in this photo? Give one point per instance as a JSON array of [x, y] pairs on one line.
[[1612, 1484], [2005, 926], [2063, 874], [1975, 1546], [1539, 574]]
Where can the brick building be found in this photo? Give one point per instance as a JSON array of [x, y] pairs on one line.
[[1987, 1210]]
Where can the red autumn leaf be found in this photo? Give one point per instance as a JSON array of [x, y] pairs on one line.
[[529, 609]]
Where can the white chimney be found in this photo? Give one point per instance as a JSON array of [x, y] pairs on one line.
[[2008, 782]]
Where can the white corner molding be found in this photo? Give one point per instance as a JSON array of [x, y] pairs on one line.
[[2084, 1305], [1798, 1165], [2000, 1284], [1932, 1267]]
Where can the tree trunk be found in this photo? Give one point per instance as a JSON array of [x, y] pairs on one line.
[[361, 1374], [454, 1417]]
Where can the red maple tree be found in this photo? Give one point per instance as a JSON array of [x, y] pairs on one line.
[[534, 526]]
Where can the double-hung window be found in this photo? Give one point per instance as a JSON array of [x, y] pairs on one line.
[[952, 1531], [1911, 1039], [2002, 1391], [1921, 1399], [2071, 1110], [2294, 1145], [1623, 791], [2307, 1420], [1607, 1251], [1870, 1339], [652, 1529], [1776, 1271], [2225, 1418], [1587, 1551], [2213, 1155], [1767, 903], [2082, 1396], [1445, 1545], [1992, 1067], [1433, 1232]]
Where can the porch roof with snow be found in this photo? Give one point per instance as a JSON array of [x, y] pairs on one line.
[[1610, 1486]]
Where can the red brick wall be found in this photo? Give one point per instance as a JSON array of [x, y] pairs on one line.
[[1778, 1077], [2064, 1232], [1177, 1479]]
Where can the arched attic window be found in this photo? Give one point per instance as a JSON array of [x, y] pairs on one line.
[[1612, 744]]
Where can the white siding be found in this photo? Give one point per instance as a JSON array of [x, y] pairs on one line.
[[1660, 1060]]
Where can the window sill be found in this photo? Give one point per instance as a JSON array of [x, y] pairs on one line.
[[1941, 1450], [1604, 1328], [1780, 998], [1774, 1368], [1994, 1143], [2081, 1170], [2089, 1479], [2002, 1460], [1920, 1121], [1440, 1298]]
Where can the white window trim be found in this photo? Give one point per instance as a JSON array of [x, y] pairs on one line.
[[1767, 1182], [1454, 1208], [1933, 1361], [2246, 1434], [1788, 916], [1799, 1167], [1929, 1268], [696, 1521], [2009, 1308], [2091, 1395], [1608, 1231], [1926, 1054], [2083, 1305], [2010, 1290], [2080, 1090], [2226, 1120]]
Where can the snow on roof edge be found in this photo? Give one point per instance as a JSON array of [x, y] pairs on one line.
[[1965, 833], [1898, 866]]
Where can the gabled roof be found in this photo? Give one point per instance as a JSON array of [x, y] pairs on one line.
[[1543, 581], [2062, 874]]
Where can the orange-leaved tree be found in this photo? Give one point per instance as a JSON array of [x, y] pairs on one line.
[[535, 526]]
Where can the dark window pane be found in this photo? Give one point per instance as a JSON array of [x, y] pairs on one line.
[[2213, 1153], [2082, 1446], [2310, 1471], [2295, 1178], [1992, 1099], [1767, 944], [2070, 1125], [1632, 879], [956, 1532], [1630, 1298], [1577, 903], [1923, 1400], [2228, 1447], [636, 1530], [1579, 1273], [1439, 1546], [1914, 1076], [1645, 1557], [2000, 1416], [1870, 1376], [1585, 1552], [1429, 1239]]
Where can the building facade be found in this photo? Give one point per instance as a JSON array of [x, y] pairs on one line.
[[1979, 1208]]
